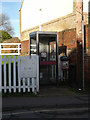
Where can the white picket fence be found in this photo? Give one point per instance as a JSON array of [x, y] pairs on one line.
[[10, 79], [10, 73], [8, 48]]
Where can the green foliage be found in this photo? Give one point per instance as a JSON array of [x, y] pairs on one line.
[[16, 56], [4, 36]]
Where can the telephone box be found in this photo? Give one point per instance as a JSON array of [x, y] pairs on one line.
[[45, 44]]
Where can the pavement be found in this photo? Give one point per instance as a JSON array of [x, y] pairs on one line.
[[49, 98]]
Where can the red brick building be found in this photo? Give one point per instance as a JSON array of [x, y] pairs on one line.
[[66, 28]]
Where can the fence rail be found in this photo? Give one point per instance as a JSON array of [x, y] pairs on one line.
[[10, 79], [7, 49]]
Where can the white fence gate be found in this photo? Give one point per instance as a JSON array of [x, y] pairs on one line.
[[11, 79]]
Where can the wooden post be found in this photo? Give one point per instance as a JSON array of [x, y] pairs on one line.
[[9, 67], [28, 83], [19, 77], [14, 73], [24, 85], [33, 84], [4, 73]]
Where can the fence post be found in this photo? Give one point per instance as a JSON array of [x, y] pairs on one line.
[[33, 84], [9, 67], [5, 74], [28, 84], [14, 72], [19, 78], [24, 85], [18, 49]]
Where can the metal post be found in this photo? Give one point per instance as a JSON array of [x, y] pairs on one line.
[[83, 52], [29, 45], [38, 66], [57, 60], [37, 84], [40, 27], [37, 39]]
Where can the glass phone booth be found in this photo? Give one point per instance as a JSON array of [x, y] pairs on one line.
[[45, 44]]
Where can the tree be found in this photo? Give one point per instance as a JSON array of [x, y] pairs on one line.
[[5, 24], [4, 36]]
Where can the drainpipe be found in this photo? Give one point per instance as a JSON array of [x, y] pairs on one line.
[[80, 43], [83, 52]]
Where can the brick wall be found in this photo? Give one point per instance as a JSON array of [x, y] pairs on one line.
[[87, 55], [68, 38], [25, 47]]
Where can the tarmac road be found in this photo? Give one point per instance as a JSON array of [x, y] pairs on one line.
[[52, 104], [48, 113], [45, 107]]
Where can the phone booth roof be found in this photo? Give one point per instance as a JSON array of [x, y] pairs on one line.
[[44, 34], [49, 33]]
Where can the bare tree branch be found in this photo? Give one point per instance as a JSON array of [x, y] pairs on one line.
[[5, 24]]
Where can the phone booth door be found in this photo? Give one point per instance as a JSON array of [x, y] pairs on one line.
[[46, 48]]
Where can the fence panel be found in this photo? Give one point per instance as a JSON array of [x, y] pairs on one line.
[[10, 76], [9, 49]]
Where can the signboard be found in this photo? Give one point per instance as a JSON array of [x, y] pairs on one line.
[[43, 54], [28, 66], [64, 64]]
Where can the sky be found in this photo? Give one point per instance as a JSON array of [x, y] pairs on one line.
[[11, 9]]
